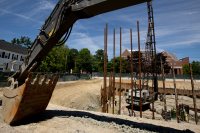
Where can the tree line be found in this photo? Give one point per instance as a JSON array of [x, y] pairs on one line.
[[63, 59]]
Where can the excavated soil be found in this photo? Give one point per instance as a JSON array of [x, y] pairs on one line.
[[85, 117], [84, 94]]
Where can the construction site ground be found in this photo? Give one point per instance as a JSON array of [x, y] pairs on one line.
[[75, 107]]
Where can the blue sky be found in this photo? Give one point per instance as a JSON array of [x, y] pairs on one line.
[[177, 25]]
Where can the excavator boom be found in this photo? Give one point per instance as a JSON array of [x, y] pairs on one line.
[[33, 94], [60, 23]]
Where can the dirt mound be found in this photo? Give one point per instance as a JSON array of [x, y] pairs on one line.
[[83, 94]]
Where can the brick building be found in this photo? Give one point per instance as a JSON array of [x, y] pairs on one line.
[[170, 58], [178, 63], [127, 53]]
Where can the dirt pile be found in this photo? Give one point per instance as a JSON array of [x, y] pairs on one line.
[[83, 94]]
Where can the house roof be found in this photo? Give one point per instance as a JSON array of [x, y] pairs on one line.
[[170, 56], [126, 53], [12, 47]]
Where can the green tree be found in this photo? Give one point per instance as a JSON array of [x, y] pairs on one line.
[[117, 65], [24, 41], [186, 69], [84, 60], [71, 59], [195, 68], [98, 61], [135, 61], [161, 58], [55, 61]]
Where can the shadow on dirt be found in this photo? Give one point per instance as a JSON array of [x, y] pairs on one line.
[[48, 114]]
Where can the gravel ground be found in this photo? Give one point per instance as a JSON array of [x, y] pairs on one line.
[[61, 119]]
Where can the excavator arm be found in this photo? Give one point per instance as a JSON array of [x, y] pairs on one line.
[[59, 24], [33, 94]]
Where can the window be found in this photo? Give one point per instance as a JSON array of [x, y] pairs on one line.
[[22, 58], [14, 57], [6, 66], [6, 55], [3, 54]]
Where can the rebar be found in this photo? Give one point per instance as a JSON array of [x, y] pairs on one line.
[[176, 96], [113, 110], [120, 74], [139, 65], [105, 70], [163, 79], [131, 62], [193, 94]]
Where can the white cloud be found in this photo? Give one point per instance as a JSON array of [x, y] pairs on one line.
[[190, 12], [46, 5], [176, 24], [19, 15], [185, 42], [82, 40], [181, 41], [40, 10], [35, 10]]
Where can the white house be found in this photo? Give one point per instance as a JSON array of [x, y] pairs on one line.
[[11, 56]]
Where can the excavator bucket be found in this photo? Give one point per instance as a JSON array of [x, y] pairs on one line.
[[28, 99]]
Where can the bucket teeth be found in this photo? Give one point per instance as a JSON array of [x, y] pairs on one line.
[[30, 98]]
